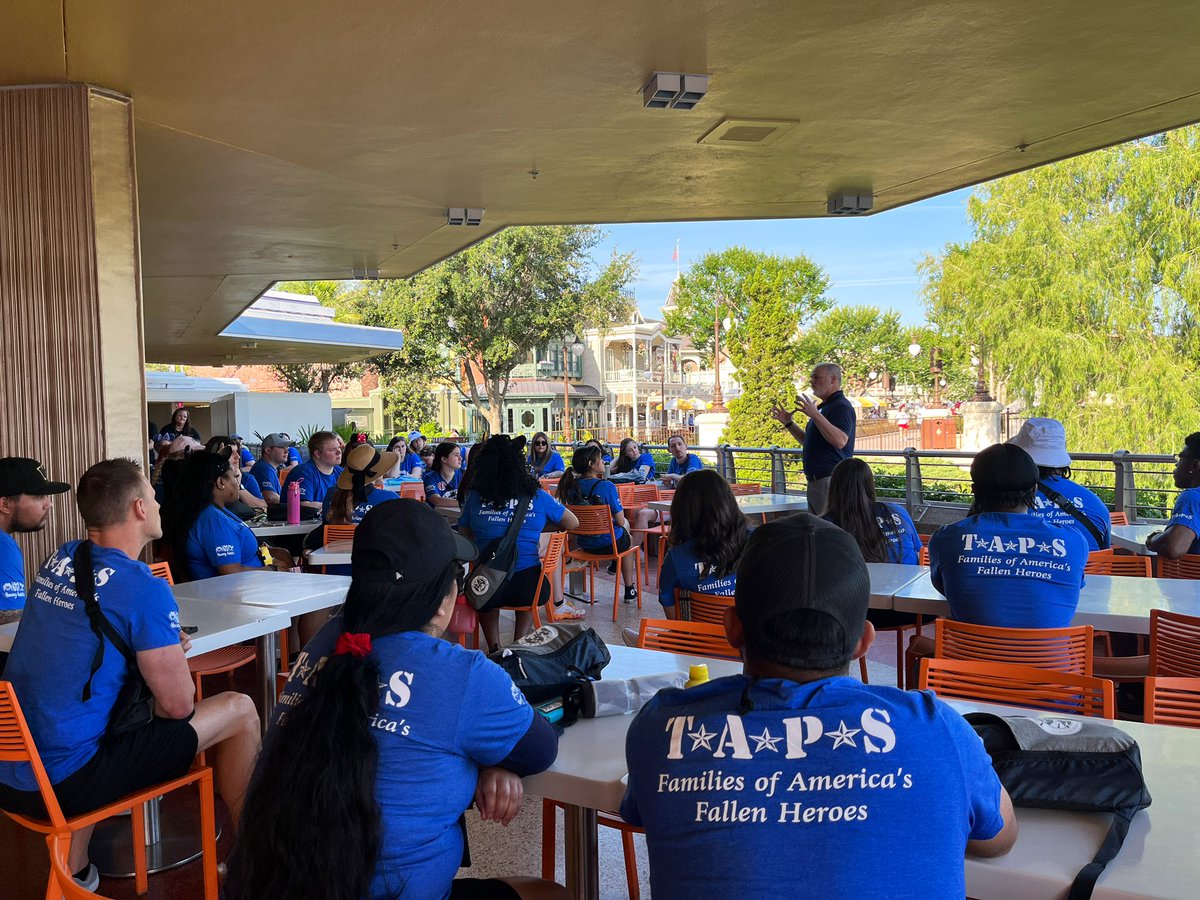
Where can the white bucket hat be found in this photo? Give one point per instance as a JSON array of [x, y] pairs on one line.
[[1046, 441]]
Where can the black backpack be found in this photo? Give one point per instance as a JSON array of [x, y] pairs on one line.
[[1074, 764]]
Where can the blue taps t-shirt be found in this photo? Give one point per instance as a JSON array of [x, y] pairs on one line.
[[444, 713], [691, 463], [293, 456], [771, 788], [644, 465], [250, 483], [410, 462], [53, 650], [552, 463], [684, 570], [488, 524], [314, 484], [1010, 570], [267, 476], [904, 543], [247, 458], [12, 573], [375, 496], [594, 492], [1187, 514], [219, 538], [435, 484], [1091, 506]]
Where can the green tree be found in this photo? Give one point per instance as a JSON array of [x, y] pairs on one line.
[[1081, 290], [473, 318], [407, 400], [734, 279]]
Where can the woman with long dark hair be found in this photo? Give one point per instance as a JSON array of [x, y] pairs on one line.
[[180, 426], [207, 538], [444, 475], [251, 494], [544, 461], [632, 461], [358, 487], [884, 531], [585, 484], [384, 735], [501, 481], [708, 534], [408, 463]]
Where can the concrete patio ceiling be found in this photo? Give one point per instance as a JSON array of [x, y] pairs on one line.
[[317, 138]]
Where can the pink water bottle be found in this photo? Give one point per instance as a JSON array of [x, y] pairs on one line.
[[293, 504]]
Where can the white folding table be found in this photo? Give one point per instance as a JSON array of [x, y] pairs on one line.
[[335, 553], [283, 529], [887, 578], [1133, 537], [754, 504]]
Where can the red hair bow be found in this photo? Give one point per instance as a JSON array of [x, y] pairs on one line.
[[357, 644]]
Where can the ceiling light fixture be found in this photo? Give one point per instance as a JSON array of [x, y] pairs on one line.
[[674, 90], [850, 204]]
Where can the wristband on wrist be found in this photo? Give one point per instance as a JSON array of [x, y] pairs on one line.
[[789, 423]]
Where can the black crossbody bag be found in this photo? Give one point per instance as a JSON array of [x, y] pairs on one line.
[[1071, 510], [496, 564], [135, 703]]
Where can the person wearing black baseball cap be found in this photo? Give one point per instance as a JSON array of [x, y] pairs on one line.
[[26, 496], [391, 732], [797, 771]]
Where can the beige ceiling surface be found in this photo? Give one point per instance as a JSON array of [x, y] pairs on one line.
[[313, 138]]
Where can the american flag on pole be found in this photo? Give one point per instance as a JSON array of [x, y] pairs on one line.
[[675, 253]]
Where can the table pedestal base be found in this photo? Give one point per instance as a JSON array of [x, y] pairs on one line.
[[172, 837]]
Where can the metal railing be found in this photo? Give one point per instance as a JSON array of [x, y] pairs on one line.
[[936, 484]]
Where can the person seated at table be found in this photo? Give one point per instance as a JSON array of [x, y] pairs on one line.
[[544, 461], [500, 480], [293, 455], [443, 477], [244, 453], [317, 476], [585, 484], [409, 463], [632, 461], [26, 500], [274, 455], [208, 539], [55, 652], [369, 767], [604, 452], [791, 722], [708, 534], [682, 461], [1059, 499], [250, 497], [426, 457], [359, 487], [1182, 533]]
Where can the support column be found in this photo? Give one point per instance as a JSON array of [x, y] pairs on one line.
[[73, 388]]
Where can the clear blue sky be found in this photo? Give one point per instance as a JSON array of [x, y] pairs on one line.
[[870, 261]]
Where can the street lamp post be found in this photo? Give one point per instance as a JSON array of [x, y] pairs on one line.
[[571, 346], [718, 403]]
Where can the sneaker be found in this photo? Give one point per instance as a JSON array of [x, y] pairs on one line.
[[612, 567], [631, 593], [629, 636], [568, 611], [90, 880]]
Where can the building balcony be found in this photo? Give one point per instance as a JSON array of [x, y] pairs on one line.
[[646, 376]]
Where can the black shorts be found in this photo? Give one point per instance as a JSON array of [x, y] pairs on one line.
[[518, 590], [623, 543], [482, 889], [157, 752]]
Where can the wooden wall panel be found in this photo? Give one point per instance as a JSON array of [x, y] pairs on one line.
[[51, 397]]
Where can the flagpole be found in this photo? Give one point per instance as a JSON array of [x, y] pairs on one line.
[[677, 259]]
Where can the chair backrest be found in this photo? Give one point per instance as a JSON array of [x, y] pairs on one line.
[[1173, 701], [1105, 562], [992, 682], [162, 570], [707, 607], [412, 490], [1118, 518], [338, 533], [594, 520], [1174, 644], [1060, 649], [554, 552], [642, 493], [689, 638], [1187, 566], [742, 488], [925, 539], [923, 556], [16, 745], [62, 885]]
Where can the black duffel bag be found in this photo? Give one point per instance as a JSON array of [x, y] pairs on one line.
[[551, 661]]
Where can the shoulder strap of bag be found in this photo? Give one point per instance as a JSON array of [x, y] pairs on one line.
[[85, 587], [1070, 509], [1085, 881], [504, 548]]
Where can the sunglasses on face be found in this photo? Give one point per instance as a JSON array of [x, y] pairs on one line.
[[540, 444]]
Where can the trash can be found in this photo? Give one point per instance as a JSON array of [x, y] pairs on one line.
[[939, 434]]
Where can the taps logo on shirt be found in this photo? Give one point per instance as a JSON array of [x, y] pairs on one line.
[[1024, 545], [224, 550], [690, 734], [13, 590], [399, 690]]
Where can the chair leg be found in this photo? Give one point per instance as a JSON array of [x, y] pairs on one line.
[[642, 571], [618, 583], [862, 669], [631, 875], [208, 836], [900, 658], [549, 820], [141, 879]]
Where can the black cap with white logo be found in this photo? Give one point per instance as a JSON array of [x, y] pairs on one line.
[[21, 475]]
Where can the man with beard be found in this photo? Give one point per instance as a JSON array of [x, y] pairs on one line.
[[25, 500]]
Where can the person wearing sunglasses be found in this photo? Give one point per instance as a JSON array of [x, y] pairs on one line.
[[544, 462]]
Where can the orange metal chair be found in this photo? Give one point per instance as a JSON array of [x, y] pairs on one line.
[[916, 627], [1173, 701], [688, 638], [923, 555], [597, 521], [412, 490], [636, 497], [708, 608], [215, 662], [338, 533], [16, 745], [1174, 644], [1059, 649], [1187, 566], [552, 565], [62, 886], [1105, 562], [607, 820], [741, 489], [1118, 518], [992, 682]]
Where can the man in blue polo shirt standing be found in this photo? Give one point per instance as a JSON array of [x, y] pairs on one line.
[[828, 438], [682, 462], [26, 497]]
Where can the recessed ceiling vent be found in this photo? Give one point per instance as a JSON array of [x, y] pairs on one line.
[[850, 204], [747, 133]]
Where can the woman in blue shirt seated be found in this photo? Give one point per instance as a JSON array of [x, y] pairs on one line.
[[359, 488], [500, 481], [632, 461], [543, 461], [368, 768], [604, 452], [251, 495], [207, 538], [584, 484], [444, 475], [408, 463]]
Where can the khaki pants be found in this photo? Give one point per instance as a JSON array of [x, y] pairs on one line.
[[818, 495]]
